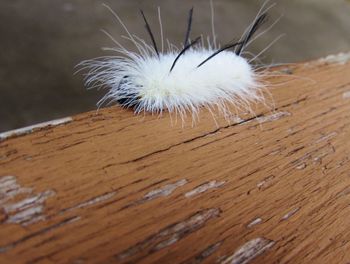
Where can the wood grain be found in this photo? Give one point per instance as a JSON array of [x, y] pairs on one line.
[[111, 187]]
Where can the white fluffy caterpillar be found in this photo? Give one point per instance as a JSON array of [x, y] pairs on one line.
[[179, 81]]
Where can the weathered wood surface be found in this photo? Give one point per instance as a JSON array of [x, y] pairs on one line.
[[115, 188]]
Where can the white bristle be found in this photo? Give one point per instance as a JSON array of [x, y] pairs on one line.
[[176, 81]]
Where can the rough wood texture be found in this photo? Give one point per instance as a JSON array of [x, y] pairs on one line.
[[115, 188]]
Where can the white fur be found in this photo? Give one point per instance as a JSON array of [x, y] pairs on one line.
[[226, 79]]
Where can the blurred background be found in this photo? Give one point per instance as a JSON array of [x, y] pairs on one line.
[[41, 42]]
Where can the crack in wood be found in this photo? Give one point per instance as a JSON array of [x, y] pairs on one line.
[[202, 256], [190, 140], [39, 232], [170, 234], [261, 118], [249, 251]]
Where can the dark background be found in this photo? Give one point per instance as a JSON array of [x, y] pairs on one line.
[[42, 40]]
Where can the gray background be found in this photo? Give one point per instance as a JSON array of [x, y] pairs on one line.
[[42, 40]]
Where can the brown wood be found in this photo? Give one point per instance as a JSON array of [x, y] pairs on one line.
[[111, 187]]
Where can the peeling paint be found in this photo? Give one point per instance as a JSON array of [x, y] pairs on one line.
[[181, 229], [164, 191], [9, 188], [29, 209], [30, 129], [341, 58], [93, 201], [26, 216], [249, 251], [273, 117], [171, 234], [161, 192], [204, 187], [290, 214], [255, 222], [28, 202]]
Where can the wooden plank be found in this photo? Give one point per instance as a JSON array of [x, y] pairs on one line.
[[111, 187]]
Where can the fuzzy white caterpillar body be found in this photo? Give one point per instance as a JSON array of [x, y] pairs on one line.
[[178, 81], [186, 86]]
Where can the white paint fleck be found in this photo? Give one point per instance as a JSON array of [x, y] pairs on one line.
[[301, 166], [164, 191], [290, 214], [204, 187], [92, 201], [168, 242], [30, 129], [326, 137], [26, 216], [314, 156], [28, 202], [346, 95], [265, 182], [255, 222], [176, 232], [236, 119], [273, 117], [249, 251], [172, 233], [341, 58], [318, 158], [9, 188], [26, 210], [6, 181]]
